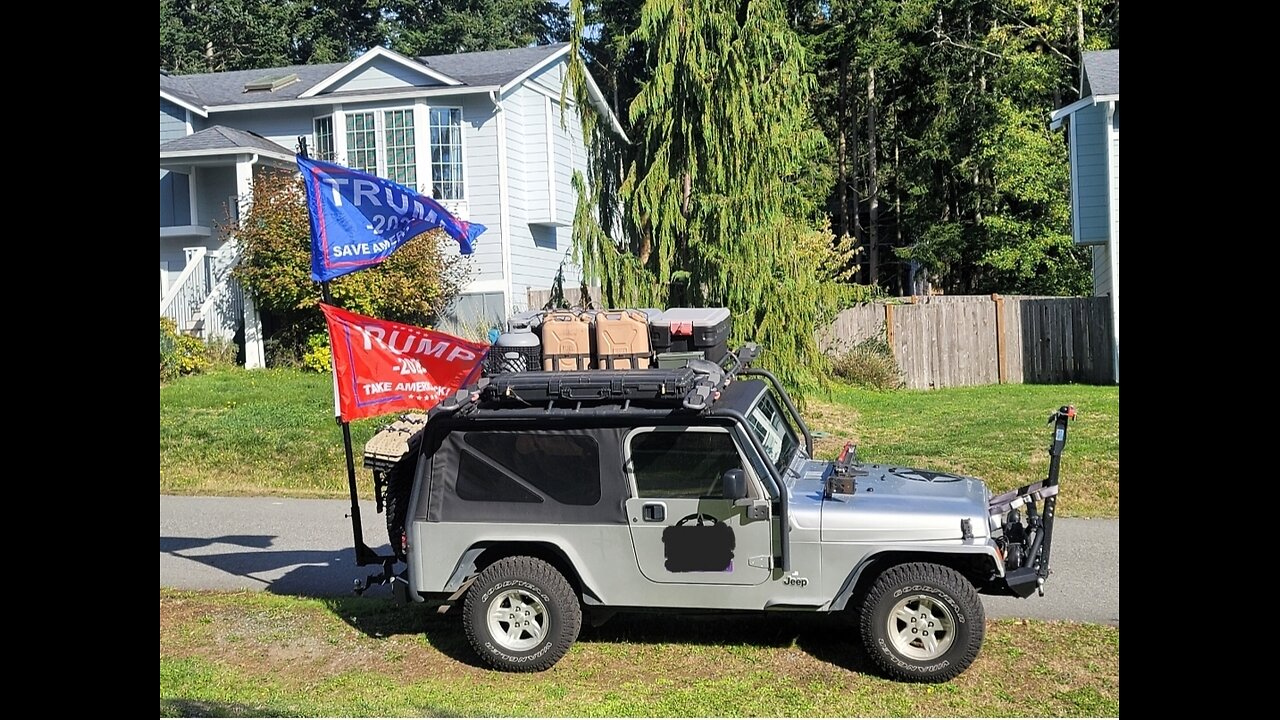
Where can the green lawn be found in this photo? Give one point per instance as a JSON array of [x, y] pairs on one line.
[[236, 432], [263, 655], [261, 432], [995, 432]]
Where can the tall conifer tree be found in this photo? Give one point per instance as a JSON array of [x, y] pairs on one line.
[[718, 198]]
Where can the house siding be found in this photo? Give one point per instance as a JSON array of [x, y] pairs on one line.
[[480, 178], [535, 226], [280, 125], [538, 248], [480, 163], [173, 122], [1090, 206], [216, 185], [1101, 271], [175, 202], [380, 74]]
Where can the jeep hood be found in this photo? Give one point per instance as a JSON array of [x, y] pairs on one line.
[[892, 503]]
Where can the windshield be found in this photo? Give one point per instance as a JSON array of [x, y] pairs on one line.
[[770, 427]]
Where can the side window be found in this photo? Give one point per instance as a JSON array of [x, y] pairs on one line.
[[682, 464], [564, 467], [480, 482]]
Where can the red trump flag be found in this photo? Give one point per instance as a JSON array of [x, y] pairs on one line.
[[382, 367]]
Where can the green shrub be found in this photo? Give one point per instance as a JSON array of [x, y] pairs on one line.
[[868, 363], [318, 357], [186, 355], [168, 350]]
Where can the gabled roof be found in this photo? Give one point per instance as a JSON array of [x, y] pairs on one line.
[[477, 69], [222, 140], [1099, 82], [1101, 73], [175, 89], [495, 67], [345, 71]]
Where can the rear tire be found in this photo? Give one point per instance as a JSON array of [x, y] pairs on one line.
[[922, 622], [521, 615]]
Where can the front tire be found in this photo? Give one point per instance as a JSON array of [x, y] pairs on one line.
[[521, 615], [922, 622]]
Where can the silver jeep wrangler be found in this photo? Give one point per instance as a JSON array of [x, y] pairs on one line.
[[541, 497]]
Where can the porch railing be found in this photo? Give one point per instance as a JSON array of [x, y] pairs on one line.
[[186, 295], [206, 300], [222, 312]]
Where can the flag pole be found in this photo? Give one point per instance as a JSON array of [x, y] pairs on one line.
[[364, 555], [414, 214]]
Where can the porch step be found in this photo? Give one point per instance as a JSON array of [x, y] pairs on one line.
[[196, 328]]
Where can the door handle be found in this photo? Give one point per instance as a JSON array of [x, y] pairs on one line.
[[654, 512]]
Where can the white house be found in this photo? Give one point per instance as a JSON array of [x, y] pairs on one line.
[[482, 132], [1094, 141]]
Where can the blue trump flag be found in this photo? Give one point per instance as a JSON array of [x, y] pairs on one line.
[[358, 219]]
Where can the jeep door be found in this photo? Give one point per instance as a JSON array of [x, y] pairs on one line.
[[682, 528]]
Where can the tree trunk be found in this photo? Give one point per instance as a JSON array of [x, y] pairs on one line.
[[873, 185], [842, 115], [897, 192]]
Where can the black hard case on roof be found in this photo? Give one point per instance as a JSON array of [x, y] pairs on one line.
[[541, 387], [704, 330]]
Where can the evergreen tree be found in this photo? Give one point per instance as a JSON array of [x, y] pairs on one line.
[[440, 27], [214, 35], [718, 199]]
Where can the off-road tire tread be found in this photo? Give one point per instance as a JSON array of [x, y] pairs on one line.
[[567, 611], [944, 578]]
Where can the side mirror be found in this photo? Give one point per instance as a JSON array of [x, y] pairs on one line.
[[733, 484]]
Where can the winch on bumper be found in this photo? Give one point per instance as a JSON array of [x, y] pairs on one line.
[[1022, 520]]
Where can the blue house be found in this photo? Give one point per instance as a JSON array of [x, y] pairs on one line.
[[1094, 142], [481, 132]]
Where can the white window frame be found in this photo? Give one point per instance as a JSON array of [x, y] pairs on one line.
[[380, 140], [333, 132], [462, 148], [384, 168]]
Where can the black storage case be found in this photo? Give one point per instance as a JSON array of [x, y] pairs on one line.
[[540, 387], [704, 330]]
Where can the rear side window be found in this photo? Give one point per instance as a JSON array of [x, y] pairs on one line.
[[565, 468], [479, 481], [682, 464]]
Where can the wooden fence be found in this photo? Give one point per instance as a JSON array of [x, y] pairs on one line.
[[948, 340], [572, 296], [944, 341]]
